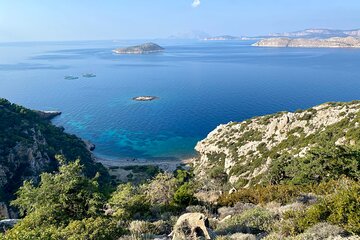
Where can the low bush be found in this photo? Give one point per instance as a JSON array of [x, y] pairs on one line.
[[255, 220]]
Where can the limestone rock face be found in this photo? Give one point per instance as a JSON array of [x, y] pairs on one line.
[[244, 151], [191, 226], [334, 42]]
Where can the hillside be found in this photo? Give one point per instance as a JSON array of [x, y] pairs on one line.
[[275, 148], [28, 145], [335, 42], [318, 33], [296, 177]]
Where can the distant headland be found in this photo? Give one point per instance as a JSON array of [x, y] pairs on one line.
[[334, 42], [140, 49], [222, 38]]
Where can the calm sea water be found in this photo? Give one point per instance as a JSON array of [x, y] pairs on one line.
[[199, 84]]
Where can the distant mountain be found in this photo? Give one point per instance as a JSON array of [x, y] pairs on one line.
[[190, 35], [318, 33], [334, 42], [140, 49], [222, 38]]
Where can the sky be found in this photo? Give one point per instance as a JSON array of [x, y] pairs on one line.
[[58, 20]]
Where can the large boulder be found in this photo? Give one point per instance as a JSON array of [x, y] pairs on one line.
[[191, 226]]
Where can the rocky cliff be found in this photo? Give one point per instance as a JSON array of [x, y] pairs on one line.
[[251, 152], [335, 42], [28, 145]]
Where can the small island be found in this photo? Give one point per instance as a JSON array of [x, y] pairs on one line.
[[89, 75], [70, 77], [140, 49], [334, 42], [144, 98]]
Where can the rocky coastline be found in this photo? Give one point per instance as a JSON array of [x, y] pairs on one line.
[[334, 42]]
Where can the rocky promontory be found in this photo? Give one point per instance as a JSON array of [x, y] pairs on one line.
[[334, 42], [140, 49], [252, 152], [48, 114]]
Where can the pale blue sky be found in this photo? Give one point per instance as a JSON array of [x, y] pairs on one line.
[[31, 20]]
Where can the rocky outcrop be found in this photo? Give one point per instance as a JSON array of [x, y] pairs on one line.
[[140, 49], [192, 226], [335, 42], [245, 151], [48, 114]]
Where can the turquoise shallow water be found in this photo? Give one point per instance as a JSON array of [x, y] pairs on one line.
[[200, 85]]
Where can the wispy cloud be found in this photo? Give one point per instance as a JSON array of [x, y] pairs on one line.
[[196, 3]]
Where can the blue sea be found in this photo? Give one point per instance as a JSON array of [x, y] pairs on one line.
[[200, 84]]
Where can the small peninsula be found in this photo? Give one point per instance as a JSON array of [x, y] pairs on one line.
[[140, 49], [144, 98], [334, 42]]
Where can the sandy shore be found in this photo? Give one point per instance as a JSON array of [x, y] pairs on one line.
[[164, 164]]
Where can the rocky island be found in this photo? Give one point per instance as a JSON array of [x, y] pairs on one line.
[[144, 98], [334, 42], [140, 49]]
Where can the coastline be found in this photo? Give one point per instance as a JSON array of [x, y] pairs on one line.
[[164, 164]]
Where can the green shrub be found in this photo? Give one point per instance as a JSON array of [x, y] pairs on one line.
[[341, 208], [184, 195], [127, 202], [254, 220], [92, 229]]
